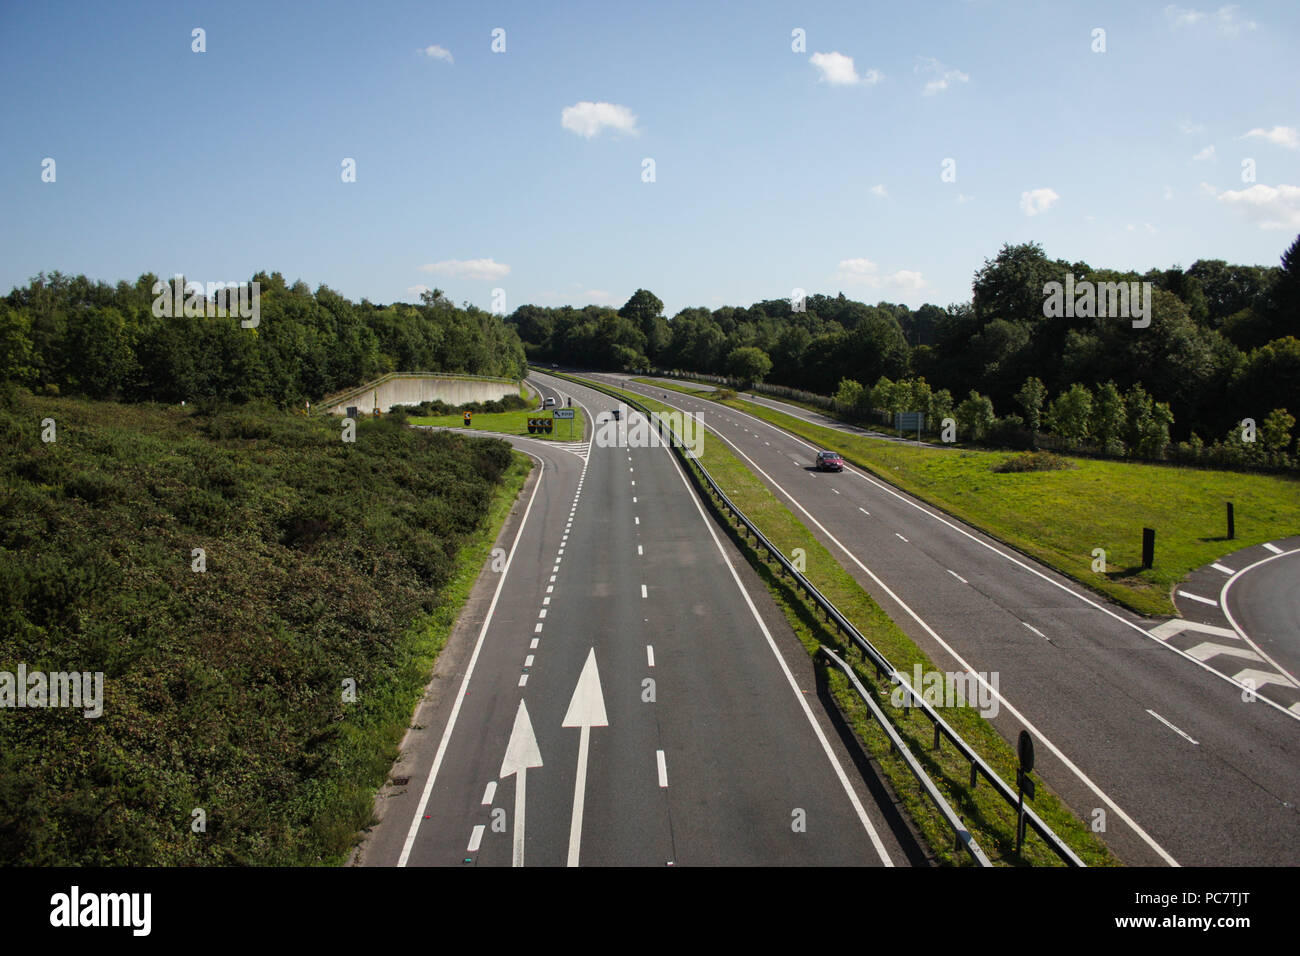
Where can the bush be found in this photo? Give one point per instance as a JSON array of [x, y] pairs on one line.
[[1033, 461]]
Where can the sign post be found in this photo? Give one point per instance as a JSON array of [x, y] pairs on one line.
[[563, 413], [1024, 785], [467, 418]]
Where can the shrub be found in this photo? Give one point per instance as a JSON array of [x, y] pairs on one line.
[[1033, 461]]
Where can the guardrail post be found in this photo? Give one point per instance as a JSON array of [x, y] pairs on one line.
[[974, 775], [936, 736]]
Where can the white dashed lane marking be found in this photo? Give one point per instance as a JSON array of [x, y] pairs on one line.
[[1170, 726], [663, 768], [489, 792]]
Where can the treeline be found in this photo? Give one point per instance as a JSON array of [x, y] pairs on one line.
[[1221, 344], [71, 336]]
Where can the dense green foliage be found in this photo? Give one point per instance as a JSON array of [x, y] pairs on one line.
[[1223, 345], [223, 689], [66, 335]]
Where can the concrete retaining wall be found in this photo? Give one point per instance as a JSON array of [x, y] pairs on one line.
[[413, 391]]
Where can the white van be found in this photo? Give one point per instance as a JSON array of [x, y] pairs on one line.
[[550, 403]]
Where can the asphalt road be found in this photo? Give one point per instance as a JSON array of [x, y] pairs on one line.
[[1160, 749], [625, 620], [1265, 603]]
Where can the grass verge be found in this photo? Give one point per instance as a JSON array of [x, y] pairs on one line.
[[509, 423], [1061, 517]]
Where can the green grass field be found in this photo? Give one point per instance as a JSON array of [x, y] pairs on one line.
[[509, 423], [990, 819], [1060, 517]]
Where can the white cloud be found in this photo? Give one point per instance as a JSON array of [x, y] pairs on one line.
[[588, 119], [417, 289], [838, 70], [962, 198], [468, 269], [1273, 207], [1208, 189], [879, 190], [438, 53], [1226, 19], [1034, 201], [1191, 129], [944, 76], [867, 273], [1205, 155], [1182, 17], [855, 268], [1169, 192], [1279, 136], [1149, 228]]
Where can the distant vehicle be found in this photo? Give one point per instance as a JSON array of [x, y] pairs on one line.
[[829, 461], [554, 365], [550, 403]]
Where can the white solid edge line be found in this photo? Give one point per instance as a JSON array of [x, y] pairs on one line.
[[464, 683], [1084, 778], [1016, 561], [785, 669], [1232, 621]]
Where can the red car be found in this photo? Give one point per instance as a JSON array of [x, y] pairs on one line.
[[829, 461]]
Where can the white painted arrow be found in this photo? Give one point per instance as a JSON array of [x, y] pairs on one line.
[[586, 710], [521, 753]]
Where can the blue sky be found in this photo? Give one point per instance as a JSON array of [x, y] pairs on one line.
[[773, 168]]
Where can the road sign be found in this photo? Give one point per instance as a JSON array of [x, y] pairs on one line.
[[564, 413], [1026, 754], [909, 421], [467, 416], [536, 425]]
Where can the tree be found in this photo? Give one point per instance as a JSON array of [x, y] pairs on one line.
[[646, 312], [1284, 298], [1276, 430], [849, 393], [975, 416], [1109, 418], [1070, 415], [749, 364], [1031, 397]]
